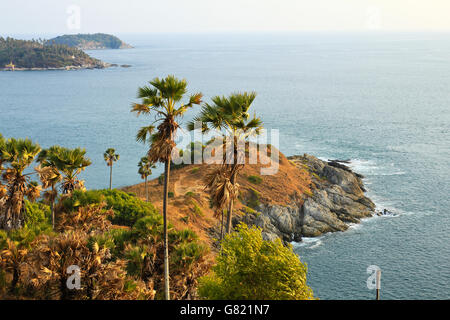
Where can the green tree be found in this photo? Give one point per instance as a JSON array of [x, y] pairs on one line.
[[110, 157], [163, 100], [230, 114], [250, 268], [145, 170], [18, 155]]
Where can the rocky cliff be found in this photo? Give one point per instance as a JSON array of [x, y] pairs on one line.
[[336, 199]]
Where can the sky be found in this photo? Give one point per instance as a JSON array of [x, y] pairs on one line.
[[150, 16]]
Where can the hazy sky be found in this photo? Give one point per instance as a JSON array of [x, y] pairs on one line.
[[73, 16]]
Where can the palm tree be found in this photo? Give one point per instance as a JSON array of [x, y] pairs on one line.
[[18, 154], [50, 175], [145, 170], [231, 115], [110, 157], [71, 162], [161, 99], [2, 187]]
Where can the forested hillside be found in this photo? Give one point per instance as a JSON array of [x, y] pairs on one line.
[[90, 41], [28, 54]]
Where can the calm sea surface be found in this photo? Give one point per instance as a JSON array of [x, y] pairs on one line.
[[381, 100]]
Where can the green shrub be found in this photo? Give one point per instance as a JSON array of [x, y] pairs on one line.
[[255, 179], [250, 268], [128, 209], [189, 194], [170, 194], [37, 222], [114, 240], [196, 208], [195, 170], [248, 210], [37, 215], [253, 199]]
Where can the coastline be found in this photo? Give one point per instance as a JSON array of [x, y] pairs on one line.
[[69, 68]]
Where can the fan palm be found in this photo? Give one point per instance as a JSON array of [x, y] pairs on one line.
[[231, 116], [71, 162], [18, 154], [110, 157], [50, 175], [162, 99], [145, 170]]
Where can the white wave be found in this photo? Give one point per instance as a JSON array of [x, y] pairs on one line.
[[308, 243], [371, 168], [363, 166]]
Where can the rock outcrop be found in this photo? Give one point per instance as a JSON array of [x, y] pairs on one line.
[[337, 199]]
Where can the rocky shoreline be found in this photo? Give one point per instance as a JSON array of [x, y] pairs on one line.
[[337, 198]]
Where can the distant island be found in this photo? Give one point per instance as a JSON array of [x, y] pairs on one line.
[[90, 41], [40, 55]]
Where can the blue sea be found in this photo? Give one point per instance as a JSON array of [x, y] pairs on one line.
[[382, 100]]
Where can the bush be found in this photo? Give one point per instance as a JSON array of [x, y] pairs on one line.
[[37, 215], [37, 221], [255, 179], [127, 208], [253, 199], [250, 268]]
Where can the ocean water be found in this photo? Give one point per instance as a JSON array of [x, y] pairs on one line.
[[382, 100]]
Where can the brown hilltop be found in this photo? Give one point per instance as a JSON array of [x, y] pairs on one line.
[[190, 207]]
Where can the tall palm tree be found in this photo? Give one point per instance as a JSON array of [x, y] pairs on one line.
[[163, 100], [110, 157], [145, 170], [18, 154], [231, 116], [50, 175], [2, 187]]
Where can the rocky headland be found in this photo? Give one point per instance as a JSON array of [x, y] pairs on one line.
[[307, 197], [337, 198]]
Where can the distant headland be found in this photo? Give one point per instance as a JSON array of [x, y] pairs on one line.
[[90, 41], [60, 53]]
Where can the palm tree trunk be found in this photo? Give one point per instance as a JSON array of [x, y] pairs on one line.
[[166, 242], [221, 228], [229, 216], [110, 177], [52, 211], [230, 206], [146, 189]]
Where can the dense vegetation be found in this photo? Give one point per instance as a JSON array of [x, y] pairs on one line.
[[89, 41], [250, 268], [116, 263], [36, 54]]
